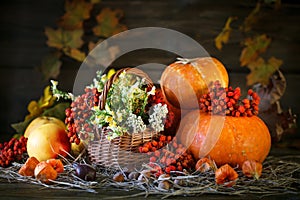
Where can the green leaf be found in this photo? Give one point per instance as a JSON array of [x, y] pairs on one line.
[[50, 66], [223, 37], [57, 111], [262, 71], [21, 126], [61, 38], [254, 47]]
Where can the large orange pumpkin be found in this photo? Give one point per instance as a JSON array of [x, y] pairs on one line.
[[240, 139], [185, 81]]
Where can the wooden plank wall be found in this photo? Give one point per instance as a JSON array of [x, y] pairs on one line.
[[22, 43]]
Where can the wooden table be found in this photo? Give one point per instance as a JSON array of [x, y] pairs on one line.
[[20, 190]]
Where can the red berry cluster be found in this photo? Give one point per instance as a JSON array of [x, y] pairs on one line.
[[172, 158], [227, 101], [80, 111], [12, 151]]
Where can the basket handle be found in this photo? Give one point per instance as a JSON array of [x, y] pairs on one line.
[[109, 82]]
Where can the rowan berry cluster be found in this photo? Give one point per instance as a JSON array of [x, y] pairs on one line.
[[80, 111], [166, 155], [220, 100], [13, 150]]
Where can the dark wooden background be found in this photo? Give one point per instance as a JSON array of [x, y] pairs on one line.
[[23, 43]]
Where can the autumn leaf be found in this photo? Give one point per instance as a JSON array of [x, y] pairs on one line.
[[75, 54], [223, 37], [95, 1], [61, 38], [254, 47], [108, 23], [50, 66], [262, 71], [251, 19], [76, 13]]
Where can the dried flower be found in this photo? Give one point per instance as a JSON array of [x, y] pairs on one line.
[[126, 107]]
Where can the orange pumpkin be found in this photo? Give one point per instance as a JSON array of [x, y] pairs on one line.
[[239, 138], [185, 81]]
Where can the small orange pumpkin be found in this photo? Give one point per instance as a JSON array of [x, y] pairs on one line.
[[240, 138], [185, 81]]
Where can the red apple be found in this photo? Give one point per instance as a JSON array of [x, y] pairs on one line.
[[48, 141], [40, 121]]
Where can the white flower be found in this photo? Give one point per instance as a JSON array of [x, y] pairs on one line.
[[158, 116], [135, 123], [152, 91], [54, 84]]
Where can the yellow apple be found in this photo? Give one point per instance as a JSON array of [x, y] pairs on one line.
[[48, 141], [41, 121], [76, 149]]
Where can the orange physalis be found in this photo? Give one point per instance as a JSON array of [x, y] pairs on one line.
[[226, 175], [252, 168]]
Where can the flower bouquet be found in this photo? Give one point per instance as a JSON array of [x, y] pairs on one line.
[[118, 113]]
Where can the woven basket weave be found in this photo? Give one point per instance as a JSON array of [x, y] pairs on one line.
[[121, 152]]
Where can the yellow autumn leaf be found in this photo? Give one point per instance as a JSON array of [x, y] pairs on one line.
[[254, 47], [261, 71], [75, 53], [60, 38], [76, 13], [223, 37], [108, 23], [47, 100], [251, 19], [33, 109]]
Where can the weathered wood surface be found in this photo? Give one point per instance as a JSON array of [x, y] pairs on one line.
[[22, 43], [20, 190]]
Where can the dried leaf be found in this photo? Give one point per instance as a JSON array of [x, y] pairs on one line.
[[50, 66], [272, 92], [280, 122], [108, 23], [223, 37], [261, 71], [76, 13], [251, 19], [254, 47], [61, 38], [95, 1], [75, 53]]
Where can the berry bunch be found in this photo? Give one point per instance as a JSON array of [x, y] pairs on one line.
[[227, 101], [12, 151], [172, 158], [80, 111]]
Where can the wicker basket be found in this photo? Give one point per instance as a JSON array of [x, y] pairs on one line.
[[121, 152]]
